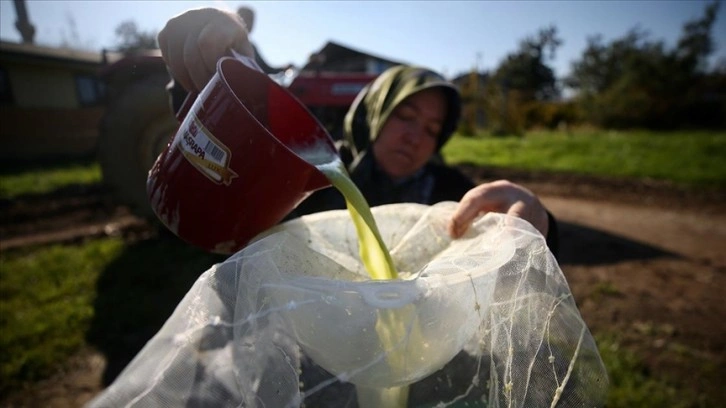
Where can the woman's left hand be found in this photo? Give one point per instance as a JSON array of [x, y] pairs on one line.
[[499, 196]]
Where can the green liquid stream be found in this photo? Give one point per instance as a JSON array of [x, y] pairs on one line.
[[373, 252], [377, 260]]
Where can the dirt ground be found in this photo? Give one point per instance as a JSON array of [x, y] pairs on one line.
[[644, 260]]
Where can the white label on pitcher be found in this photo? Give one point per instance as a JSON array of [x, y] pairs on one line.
[[204, 151]]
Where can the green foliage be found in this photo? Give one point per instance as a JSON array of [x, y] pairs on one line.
[[631, 82], [131, 39], [506, 111], [632, 386], [692, 159], [606, 288], [467, 125], [526, 71], [551, 115], [46, 305], [636, 82], [696, 43], [523, 78], [44, 178]]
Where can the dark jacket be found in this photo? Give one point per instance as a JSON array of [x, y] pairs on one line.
[[435, 183]]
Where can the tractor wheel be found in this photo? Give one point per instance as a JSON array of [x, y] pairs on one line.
[[137, 126]]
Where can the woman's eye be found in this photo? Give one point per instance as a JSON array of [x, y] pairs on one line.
[[404, 114]]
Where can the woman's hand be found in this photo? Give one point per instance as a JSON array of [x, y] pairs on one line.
[[192, 43], [499, 196]]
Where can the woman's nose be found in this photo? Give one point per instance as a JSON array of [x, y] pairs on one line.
[[414, 133]]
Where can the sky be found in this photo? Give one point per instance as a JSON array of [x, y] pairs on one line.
[[451, 37]]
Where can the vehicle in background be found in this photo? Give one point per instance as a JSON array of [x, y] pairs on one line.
[[60, 102], [138, 122]]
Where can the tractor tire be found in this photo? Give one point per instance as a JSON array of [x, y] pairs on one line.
[[136, 127]]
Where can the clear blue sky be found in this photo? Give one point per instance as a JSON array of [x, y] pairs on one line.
[[447, 36]]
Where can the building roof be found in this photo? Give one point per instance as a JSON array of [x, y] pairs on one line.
[[42, 54], [333, 52]]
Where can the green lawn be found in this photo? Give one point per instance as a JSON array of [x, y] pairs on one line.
[[46, 177], [631, 385], [689, 158], [46, 304], [693, 159]]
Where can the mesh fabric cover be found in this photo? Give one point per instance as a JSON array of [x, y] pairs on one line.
[[292, 320]]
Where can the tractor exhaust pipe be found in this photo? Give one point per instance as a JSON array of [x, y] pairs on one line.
[[27, 31]]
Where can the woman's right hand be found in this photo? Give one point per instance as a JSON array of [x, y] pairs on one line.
[[192, 43], [500, 196]]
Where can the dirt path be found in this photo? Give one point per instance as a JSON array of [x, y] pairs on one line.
[[692, 235], [646, 261]]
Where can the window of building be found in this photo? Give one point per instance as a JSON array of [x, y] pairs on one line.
[[90, 90], [6, 94]]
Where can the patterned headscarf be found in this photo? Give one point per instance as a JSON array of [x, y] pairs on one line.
[[377, 100]]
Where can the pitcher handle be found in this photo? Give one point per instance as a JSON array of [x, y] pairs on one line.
[[185, 106], [192, 96]]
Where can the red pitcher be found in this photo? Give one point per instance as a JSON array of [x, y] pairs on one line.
[[233, 169]]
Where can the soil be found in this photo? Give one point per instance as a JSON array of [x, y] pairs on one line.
[[645, 260]]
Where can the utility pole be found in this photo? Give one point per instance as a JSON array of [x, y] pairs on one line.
[[27, 31]]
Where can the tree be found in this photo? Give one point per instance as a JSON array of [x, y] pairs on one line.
[[637, 82], [526, 70], [131, 39], [602, 65], [696, 44], [522, 81]]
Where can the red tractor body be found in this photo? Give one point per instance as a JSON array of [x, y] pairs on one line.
[[329, 89]]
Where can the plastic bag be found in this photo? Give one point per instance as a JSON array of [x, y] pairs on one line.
[[292, 320]]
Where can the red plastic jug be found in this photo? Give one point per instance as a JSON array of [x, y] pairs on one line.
[[233, 168]]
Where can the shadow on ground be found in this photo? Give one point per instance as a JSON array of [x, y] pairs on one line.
[[139, 291], [580, 245]]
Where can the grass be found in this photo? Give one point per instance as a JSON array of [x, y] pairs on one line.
[[632, 386], [689, 158], [103, 293], [46, 305], [46, 177], [692, 159]]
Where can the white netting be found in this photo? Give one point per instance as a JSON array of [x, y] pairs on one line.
[[292, 320]]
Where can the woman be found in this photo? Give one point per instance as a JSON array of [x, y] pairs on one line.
[[393, 134], [394, 130]]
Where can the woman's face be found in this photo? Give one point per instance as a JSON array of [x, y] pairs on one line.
[[410, 134]]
